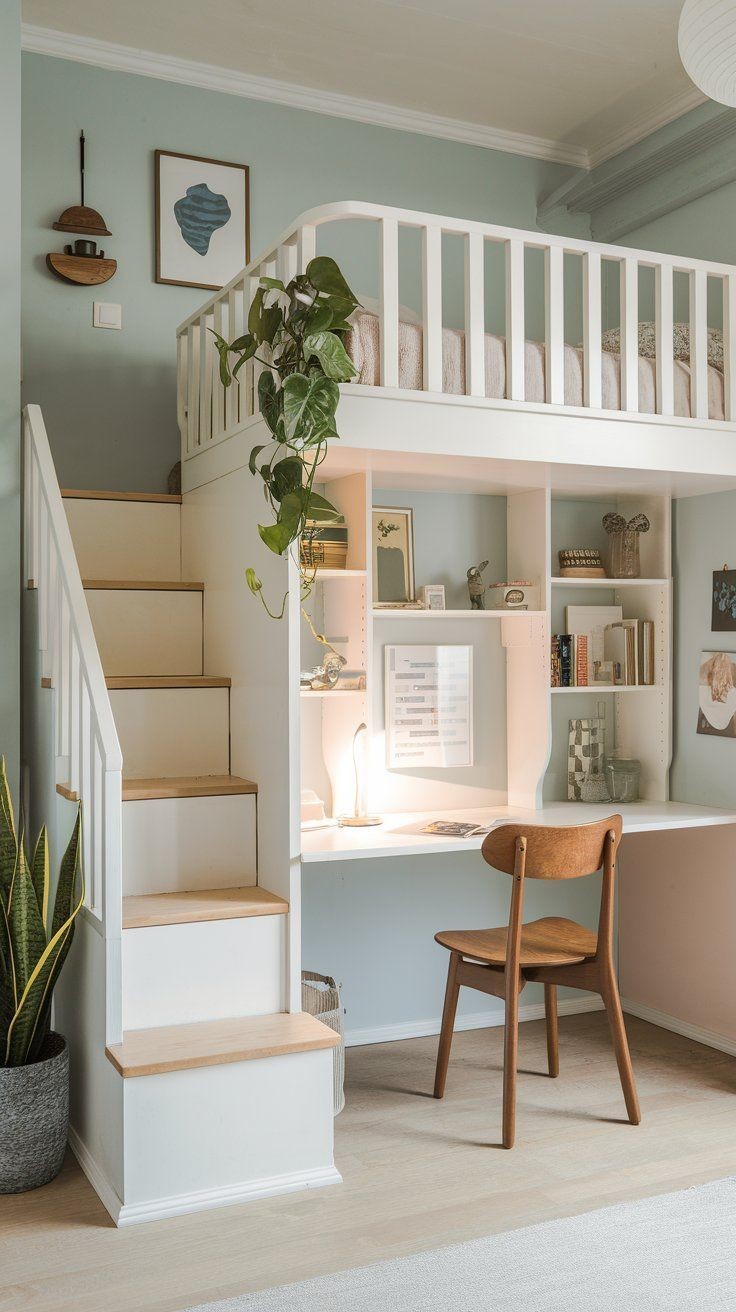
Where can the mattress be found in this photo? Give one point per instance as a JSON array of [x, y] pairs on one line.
[[362, 343]]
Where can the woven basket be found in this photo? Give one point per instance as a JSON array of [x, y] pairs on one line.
[[321, 998]]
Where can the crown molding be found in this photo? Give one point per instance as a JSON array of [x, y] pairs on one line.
[[210, 77], [643, 127]]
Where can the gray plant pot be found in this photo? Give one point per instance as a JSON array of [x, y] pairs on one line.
[[34, 1118]]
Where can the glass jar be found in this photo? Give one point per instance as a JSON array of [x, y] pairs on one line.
[[622, 777], [625, 562]]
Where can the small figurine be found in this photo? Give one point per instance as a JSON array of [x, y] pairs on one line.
[[476, 586]]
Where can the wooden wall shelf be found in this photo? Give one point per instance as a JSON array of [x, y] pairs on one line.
[[87, 270]]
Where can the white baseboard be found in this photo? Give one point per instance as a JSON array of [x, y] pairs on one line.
[[97, 1178], [479, 1020], [157, 1209], [665, 1022]]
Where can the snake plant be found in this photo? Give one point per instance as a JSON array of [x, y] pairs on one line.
[[33, 942]]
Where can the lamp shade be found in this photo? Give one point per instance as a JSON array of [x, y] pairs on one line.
[[707, 43]]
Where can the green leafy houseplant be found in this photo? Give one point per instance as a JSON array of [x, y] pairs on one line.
[[34, 942], [295, 331]]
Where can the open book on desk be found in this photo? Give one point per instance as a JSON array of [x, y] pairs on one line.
[[466, 828]]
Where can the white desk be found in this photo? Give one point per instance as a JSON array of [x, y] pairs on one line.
[[400, 835]]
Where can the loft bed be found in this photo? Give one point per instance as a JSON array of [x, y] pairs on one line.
[[506, 384]]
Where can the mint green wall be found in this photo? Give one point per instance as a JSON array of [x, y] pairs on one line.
[[109, 397], [9, 381]]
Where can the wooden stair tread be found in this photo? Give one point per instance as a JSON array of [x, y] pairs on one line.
[[204, 785], [144, 910], [217, 1042], [140, 585], [87, 494], [125, 681]]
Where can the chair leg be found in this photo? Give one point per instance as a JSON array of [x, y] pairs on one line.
[[448, 1021], [510, 1061], [612, 1003], [550, 1013]]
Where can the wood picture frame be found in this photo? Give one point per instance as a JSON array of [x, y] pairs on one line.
[[392, 535], [194, 209]]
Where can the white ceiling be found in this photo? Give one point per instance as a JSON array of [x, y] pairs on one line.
[[586, 77]]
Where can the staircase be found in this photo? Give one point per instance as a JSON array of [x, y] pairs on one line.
[[218, 1094]]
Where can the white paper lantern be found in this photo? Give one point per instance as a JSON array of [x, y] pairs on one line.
[[707, 42]]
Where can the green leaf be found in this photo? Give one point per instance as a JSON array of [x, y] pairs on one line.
[[248, 353], [253, 581], [8, 840], [274, 284], [243, 343], [277, 537], [254, 456], [286, 477], [320, 509], [319, 317], [334, 359], [269, 400], [27, 930], [70, 874], [309, 408], [40, 873], [325, 275], [223, 351], [264, 322]]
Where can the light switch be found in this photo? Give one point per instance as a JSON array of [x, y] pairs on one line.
[[107, 315]]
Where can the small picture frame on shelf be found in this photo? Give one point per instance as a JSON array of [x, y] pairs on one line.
[[393, 555], [432, 596], [603, 673]]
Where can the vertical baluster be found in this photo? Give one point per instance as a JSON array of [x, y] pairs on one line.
[[592, 382], [236, 330], [389, 302], [35, 525], [698, 280], [665, 348], [206, 354], [306, 246], [62, 684], [475, 303], [254, 367], [554, 333], [112, 902], [182, 387], [515, 331], [73, 702], [42, 584], [96, 823], [28, 463], [222, 327], [729, 346], [432, 308], [84, 762], [193, 335], [286, 260], [54, 585], [629, 298]]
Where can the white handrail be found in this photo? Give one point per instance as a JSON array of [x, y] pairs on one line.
[[87, 752], [206, 415]]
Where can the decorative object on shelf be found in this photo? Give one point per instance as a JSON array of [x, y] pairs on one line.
[[624, 544], [202, 220], [359, 819], [324, 546], [432, 596], [296, 332], [717, 694], [586, 756], [351, 680], [34, 1061], [622, 777], [476, 586], [393, 554], [581, 563], [82, 263], [324, 677], [603, 673], [438, 734], [518, 594], [723, 610], [592, 621]]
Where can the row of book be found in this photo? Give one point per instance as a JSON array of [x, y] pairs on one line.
[[619, 654]]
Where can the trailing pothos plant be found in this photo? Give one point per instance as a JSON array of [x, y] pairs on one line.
[[294, 330], [34, 938]]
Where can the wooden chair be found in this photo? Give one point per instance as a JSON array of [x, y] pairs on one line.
[[551, 951]]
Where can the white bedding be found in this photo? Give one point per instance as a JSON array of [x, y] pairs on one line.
[[362, 343]]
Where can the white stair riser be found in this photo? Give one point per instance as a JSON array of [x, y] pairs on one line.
[[179, 974], [174, 844], [172, 731], [148, 631], [200, 1138], [125, 539]]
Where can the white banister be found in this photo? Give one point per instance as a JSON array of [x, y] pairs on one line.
[[432, 308], [389, 301], [663, 315], [554, 324], [699, 344], [475, 327], [629, 301], [729, 345], [592, 356], [83, 736], [515, 344]]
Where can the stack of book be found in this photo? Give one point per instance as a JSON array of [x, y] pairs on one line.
[[570, 660], [620, 653]]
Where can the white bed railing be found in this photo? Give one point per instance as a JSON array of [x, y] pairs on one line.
[[208, 412], [86, 747]]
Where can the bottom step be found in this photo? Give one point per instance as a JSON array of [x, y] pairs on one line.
[[218, 1043]]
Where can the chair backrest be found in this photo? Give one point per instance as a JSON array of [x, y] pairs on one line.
[[552, 851]]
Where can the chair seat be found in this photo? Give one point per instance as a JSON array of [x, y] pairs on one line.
[[552, 941]]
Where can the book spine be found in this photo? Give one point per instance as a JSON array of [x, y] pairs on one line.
[[581, 660], [555, 662], [566, 667]]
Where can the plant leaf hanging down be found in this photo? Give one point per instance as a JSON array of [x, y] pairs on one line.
[[294, 330]]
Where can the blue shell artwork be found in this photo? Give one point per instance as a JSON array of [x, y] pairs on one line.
[[200, 213]]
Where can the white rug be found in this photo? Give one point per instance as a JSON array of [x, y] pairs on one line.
[[670, 1253]]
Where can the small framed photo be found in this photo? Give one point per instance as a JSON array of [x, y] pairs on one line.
[[393, 555], [432, 596], [604, 673], [202, 220]]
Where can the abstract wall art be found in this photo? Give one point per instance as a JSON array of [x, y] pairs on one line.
[[717, 694], [202, 220]]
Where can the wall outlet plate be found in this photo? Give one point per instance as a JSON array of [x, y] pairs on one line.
[[105, 314]]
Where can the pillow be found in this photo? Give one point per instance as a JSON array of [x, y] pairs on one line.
[[611, 342]]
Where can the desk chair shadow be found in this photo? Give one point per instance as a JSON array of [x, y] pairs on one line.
[[551, 951]]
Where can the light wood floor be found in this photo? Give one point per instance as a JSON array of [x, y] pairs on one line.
[[418, 1173]]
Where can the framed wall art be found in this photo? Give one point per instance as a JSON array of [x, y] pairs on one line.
[[723, 608], [429, 706], [393, 555], [717, 694], [202, 220]]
